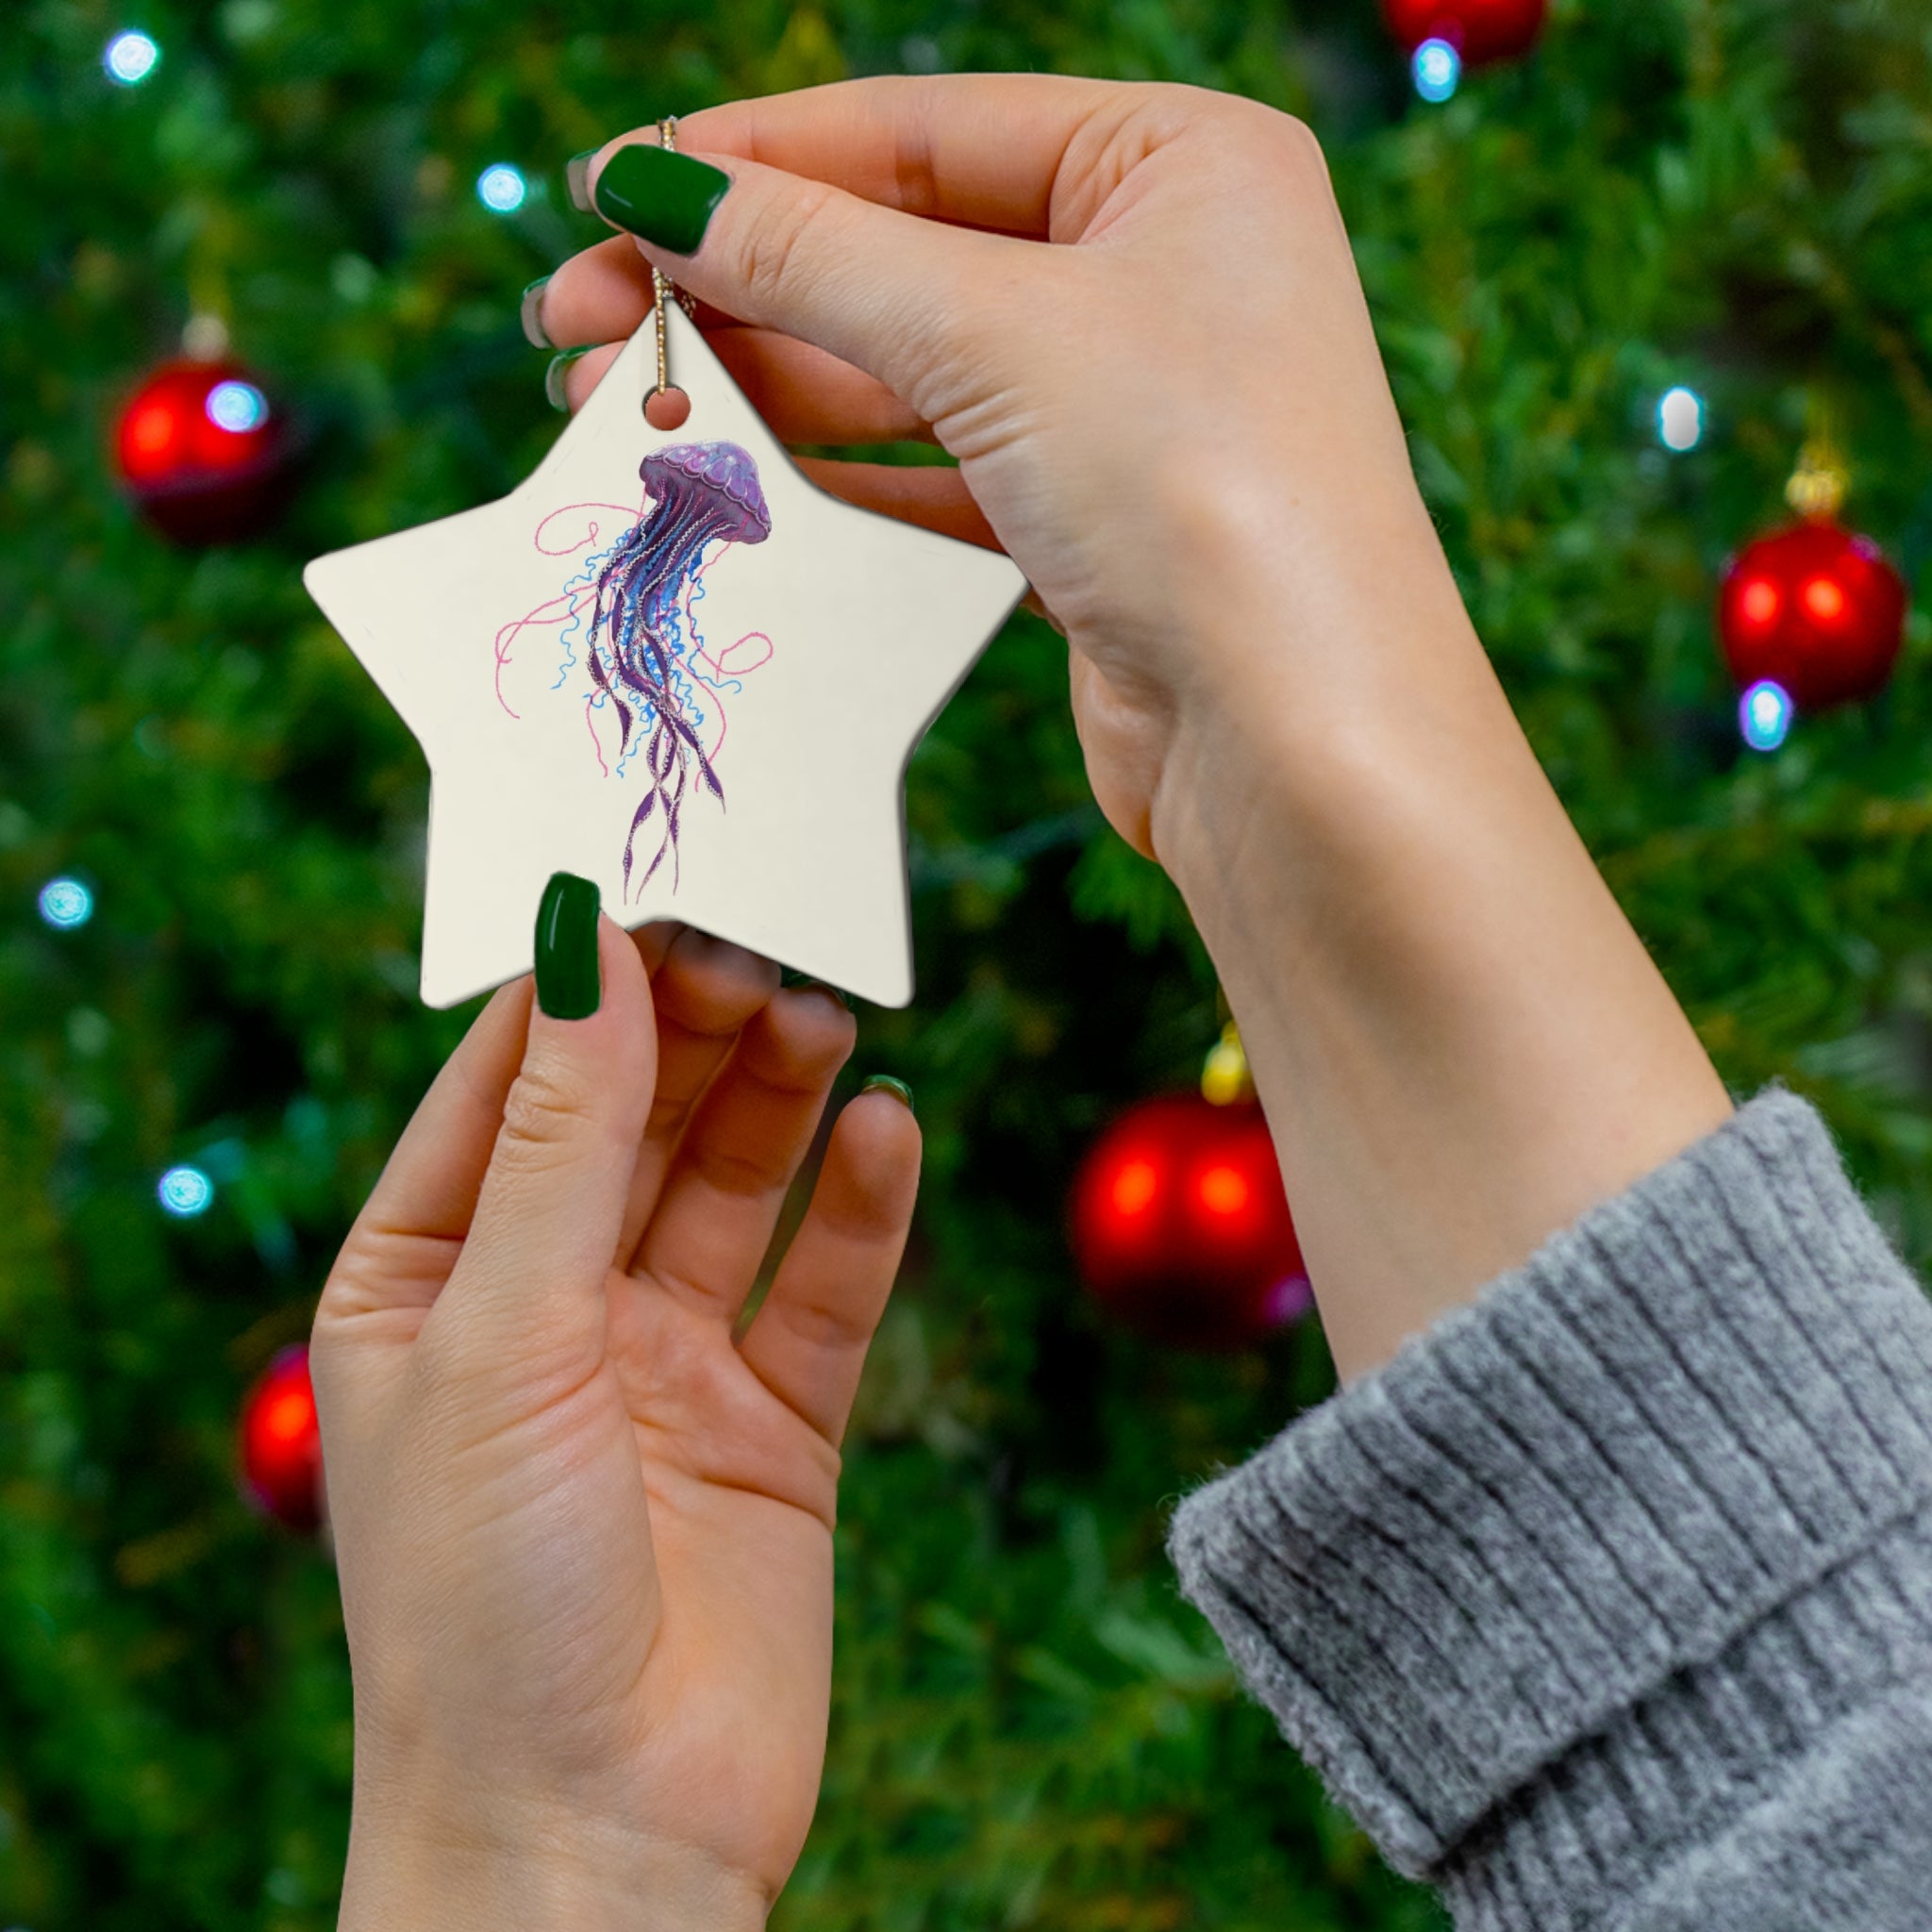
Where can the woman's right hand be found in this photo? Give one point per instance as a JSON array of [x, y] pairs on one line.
[[1132, 313], [1168, 419]]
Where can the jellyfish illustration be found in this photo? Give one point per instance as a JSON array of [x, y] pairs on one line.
[[641, 652]]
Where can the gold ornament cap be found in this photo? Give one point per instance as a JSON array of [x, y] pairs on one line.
[[1224, 1077], [1818, 484]]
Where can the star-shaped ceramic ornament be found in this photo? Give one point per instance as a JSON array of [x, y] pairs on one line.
[[669, 663]]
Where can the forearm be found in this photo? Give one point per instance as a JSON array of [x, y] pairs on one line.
[[1460, 1043]]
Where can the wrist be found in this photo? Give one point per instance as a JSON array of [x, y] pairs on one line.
[[491, 1873], [1460, 1043]]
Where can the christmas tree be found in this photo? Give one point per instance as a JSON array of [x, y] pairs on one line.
[[211, 833]]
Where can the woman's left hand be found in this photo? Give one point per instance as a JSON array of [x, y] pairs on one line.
[[584, 1533]]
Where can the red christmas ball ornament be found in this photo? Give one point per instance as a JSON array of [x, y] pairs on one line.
[[1180, 1226], [281, 1444], [1479, 30], [204, 453], [1815, 610]]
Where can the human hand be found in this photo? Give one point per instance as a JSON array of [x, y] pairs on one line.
[[1176, 419], [1133, 314], [584, 1537]]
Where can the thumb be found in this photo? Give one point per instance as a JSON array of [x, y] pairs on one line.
[[528, 1287], [898, 296]]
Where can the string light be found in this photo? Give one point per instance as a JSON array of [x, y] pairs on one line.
[[185, 1192], [1680, 419], [502, 187], [1764, 715], [1437, 70], [130, 58], [66, 904], [236, 406]]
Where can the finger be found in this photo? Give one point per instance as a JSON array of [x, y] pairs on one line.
[[982, 149], [803, 394], [808, 1339], [883, 290], [705, 991], [580, 374], [933, 496], [721, 1197], [529, 1284], [654, 941], [807, 395], [602, 297], [404, 1242]]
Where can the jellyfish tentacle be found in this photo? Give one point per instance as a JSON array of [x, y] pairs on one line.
[[641, 644]]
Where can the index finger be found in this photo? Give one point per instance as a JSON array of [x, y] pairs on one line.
[[984, 150]]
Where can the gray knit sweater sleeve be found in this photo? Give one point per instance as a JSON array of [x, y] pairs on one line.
[[1607, 1603]]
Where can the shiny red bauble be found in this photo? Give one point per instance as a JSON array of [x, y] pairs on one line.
[[204, 453], [1180, 1226], [281, 1444], [1479, 30], [1814, 608]]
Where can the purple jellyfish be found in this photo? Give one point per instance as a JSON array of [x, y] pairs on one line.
[[640, 656]]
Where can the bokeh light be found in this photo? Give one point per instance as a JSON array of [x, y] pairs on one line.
[[66, 904], [501, 188], [1437, 70], [185, 1192], [1680, 419], [237, 407], [1764, 715], [130, 58]]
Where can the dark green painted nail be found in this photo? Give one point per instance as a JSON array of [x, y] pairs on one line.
[[569, 985], [807, 984], [553, 378], [667, 198], [896, 1088], [531, 313], [576, 177]]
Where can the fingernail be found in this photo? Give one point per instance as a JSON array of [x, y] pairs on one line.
[[553, 378], [576, 177], [667, 198], [532, 314], [898, 1089], [809, 985], [569, 986]]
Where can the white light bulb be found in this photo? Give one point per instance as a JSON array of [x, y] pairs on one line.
[[130, 58], [185, 1192], [1764, 715], [501, 188], [1437, 70], [1680, 419], [66, 904]]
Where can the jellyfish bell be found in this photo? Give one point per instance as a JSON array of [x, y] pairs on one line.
[[719, 480]]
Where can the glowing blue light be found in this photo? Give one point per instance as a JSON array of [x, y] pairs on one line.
[[185, 1192], [65, 904], [502, 187], [1680, 419], [130, 58], [1764, 715], [1437, 69], [239, 407]]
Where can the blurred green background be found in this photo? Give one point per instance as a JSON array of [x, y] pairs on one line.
[[1030, 1727]]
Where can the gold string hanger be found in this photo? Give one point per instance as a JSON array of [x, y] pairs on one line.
[[674, 406]]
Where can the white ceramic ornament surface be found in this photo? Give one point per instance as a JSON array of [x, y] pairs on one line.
[[591, 647]]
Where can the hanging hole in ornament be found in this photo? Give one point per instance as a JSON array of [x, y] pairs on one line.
[[667, 408]]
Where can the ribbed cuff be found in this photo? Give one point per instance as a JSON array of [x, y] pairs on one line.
[[1642, 1447]]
